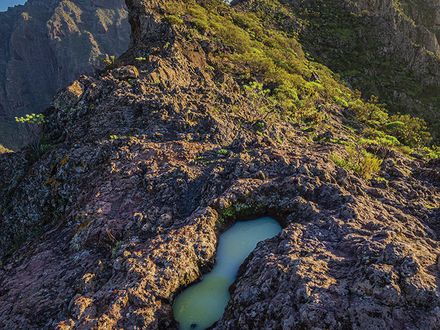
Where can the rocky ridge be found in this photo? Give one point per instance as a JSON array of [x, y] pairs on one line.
[[45, 45], [153, 158]]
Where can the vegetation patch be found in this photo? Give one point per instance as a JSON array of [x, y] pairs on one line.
[[350, 44], [361, 162], [240, 210], [259, 47]]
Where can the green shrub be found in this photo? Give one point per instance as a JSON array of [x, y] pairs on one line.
[[340, 101], [173, 19], [223, 152], [432, 153], [379, 138], [249, 22], [33, 123], [260, 98], [359, 161], [370, 113], [409, 130], [31, 119], [109, 60]]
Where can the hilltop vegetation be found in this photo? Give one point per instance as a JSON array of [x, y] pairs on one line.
[[260, 44]]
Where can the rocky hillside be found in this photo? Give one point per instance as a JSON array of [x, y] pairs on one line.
[[385, 48], [44, 45], [215, 114]]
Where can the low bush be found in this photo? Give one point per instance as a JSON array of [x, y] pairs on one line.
[[409, 130], [33, 123], [359, 161]]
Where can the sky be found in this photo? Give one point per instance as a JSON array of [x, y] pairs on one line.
[[4, 4]]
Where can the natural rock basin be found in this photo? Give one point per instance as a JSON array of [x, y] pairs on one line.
[[202, 304]]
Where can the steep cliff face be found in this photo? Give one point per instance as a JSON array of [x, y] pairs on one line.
[[426, 15], [412, 23], [47, 44], [385, 48], [215, 114]]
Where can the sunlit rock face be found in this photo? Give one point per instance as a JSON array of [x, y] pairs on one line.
[[44, 45]]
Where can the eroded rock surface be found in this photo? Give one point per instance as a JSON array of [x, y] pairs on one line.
[[151, 160], [47, 44]]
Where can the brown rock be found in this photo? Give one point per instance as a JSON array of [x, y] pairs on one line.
[[126, 72], [48, 44]]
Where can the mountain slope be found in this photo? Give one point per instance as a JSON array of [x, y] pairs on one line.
[[47, 44], [211, 116], [385, 48]]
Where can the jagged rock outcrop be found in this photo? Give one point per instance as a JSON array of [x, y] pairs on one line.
[[414, 23], [425, 14], [47, 44], [102, 230], [409, 31]]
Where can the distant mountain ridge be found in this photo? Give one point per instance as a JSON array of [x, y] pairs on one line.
[[386, 48], [46, 44]]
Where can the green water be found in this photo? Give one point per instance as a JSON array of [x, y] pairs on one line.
[[202, 304]]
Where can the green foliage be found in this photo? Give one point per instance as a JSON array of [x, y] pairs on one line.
[[343, 40], [240, 210], [409, 130], [259, 125], [33, 123], [340, 101], [174, 19], [249, 22], [114, 137], [260, 98], [109, 60], [228, 212], [223, 152], [359, 161], [371, 113], [379, 138], [31, 119], [430, 153], [260, 51]]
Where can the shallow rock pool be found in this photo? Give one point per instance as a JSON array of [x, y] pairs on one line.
[[201, 305]]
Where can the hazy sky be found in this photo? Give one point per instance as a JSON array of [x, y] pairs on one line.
[[4, 4]]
